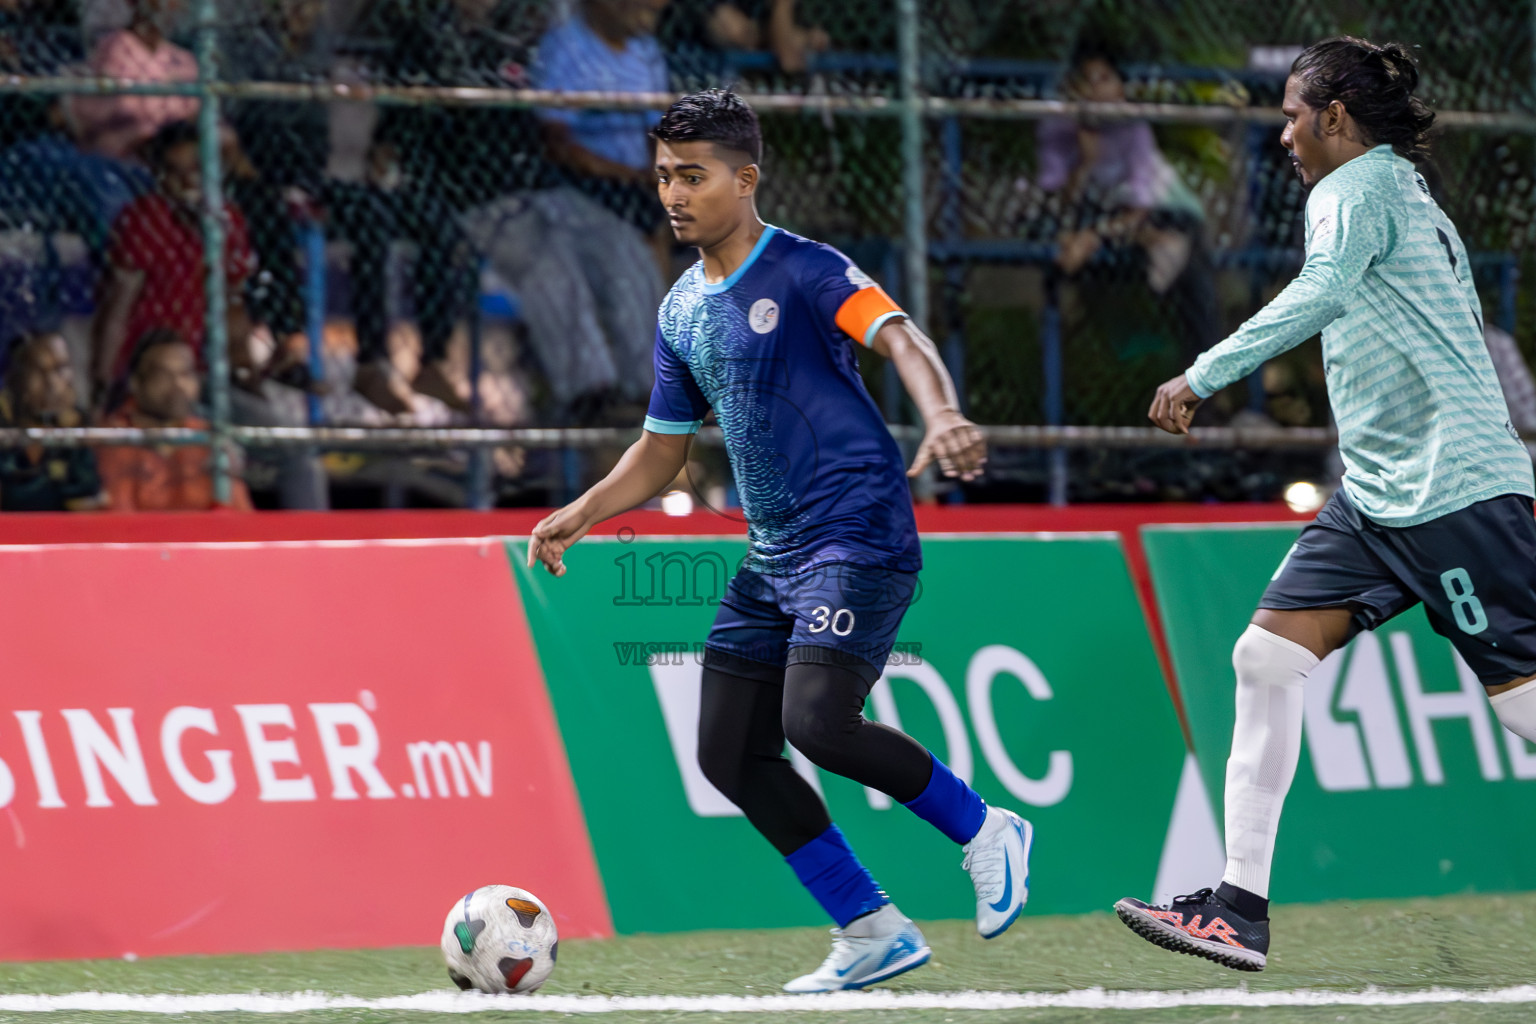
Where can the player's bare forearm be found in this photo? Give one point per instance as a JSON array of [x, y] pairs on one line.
[[950, 439], [649, 465], [922, 372]]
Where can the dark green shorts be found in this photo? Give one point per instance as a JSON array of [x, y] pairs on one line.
[[1474, 570]]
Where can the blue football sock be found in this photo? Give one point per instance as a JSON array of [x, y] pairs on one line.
[[949, 805], [827, 867]]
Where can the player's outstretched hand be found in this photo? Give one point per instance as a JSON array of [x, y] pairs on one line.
[[954, 442], [555, 533], [1174, 406]]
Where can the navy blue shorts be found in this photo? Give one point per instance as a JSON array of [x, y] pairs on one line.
[[840, 614], [1474, 569]]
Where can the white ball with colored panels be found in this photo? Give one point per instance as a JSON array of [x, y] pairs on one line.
[[500, 939]]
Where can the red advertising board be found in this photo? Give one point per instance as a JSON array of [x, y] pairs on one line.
[[253, 746]]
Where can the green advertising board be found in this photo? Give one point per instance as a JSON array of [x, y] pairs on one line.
[[1025, 663], [1407, 786]]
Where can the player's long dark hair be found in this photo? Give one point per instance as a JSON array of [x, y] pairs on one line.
[[1375, 82], [714, 115]]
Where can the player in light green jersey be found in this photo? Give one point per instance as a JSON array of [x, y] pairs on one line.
[[1435, 506]]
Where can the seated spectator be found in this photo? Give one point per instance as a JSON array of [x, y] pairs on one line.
[[116, 125], [467, 155], [37, 37], [606, 46], [155, 281], [698, 34], [40, 392], [420, 162], [48, 183], [279, 174], [155, 274], [51, 190], [1121, 192], [588, 290], [580, 255], [162, 389]]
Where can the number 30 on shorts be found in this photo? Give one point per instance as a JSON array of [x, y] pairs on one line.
[[840, 621], [1464, 603]]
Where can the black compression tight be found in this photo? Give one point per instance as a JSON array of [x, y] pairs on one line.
[[744, 722]]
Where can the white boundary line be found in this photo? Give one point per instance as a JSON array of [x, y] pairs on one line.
[[838, 1002]]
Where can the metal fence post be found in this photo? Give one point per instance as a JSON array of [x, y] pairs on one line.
[[1052, 378], [914, 226], [478, 476], [914, 218], [216, 333], [312, 236]]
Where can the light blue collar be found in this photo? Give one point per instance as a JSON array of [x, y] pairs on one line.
[[757, 250]]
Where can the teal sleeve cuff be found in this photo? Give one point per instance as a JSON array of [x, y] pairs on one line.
[[1197, 385], [657, 426], [879, 322]]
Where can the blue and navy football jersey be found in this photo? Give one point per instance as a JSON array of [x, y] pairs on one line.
[[770, 349]]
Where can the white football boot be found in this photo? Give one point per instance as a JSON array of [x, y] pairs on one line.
[[998, 860], [873, 948]]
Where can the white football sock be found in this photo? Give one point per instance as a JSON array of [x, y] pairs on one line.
[[1266, 744], [1517, 710]]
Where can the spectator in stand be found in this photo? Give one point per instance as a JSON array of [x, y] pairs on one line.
[[37, 37], [40, 392], [155, 272], [606, 46], [582, 275], [51, 185], [587, 279], [1120, 191], [698, 35], [588, 290], [467, 155], [279, 174], [418, 167], [48, 185], [155, 280], [115, 126], [163, 388]]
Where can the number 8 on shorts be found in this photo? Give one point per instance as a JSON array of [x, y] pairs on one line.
[[1464, 603]]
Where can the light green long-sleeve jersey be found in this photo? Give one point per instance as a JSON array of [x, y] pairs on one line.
[[1423, 428]]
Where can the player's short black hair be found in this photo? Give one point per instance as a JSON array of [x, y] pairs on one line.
[[159, 145], [1375, 82], [714, 115]]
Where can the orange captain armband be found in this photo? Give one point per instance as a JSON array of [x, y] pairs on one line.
[[865, 312]]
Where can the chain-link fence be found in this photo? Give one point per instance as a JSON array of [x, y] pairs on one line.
[[442, 254]]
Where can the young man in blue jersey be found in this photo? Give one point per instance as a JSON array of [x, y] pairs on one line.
[[1436, 501], [762, 330]]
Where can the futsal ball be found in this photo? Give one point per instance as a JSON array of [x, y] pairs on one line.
[[500, 939]]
